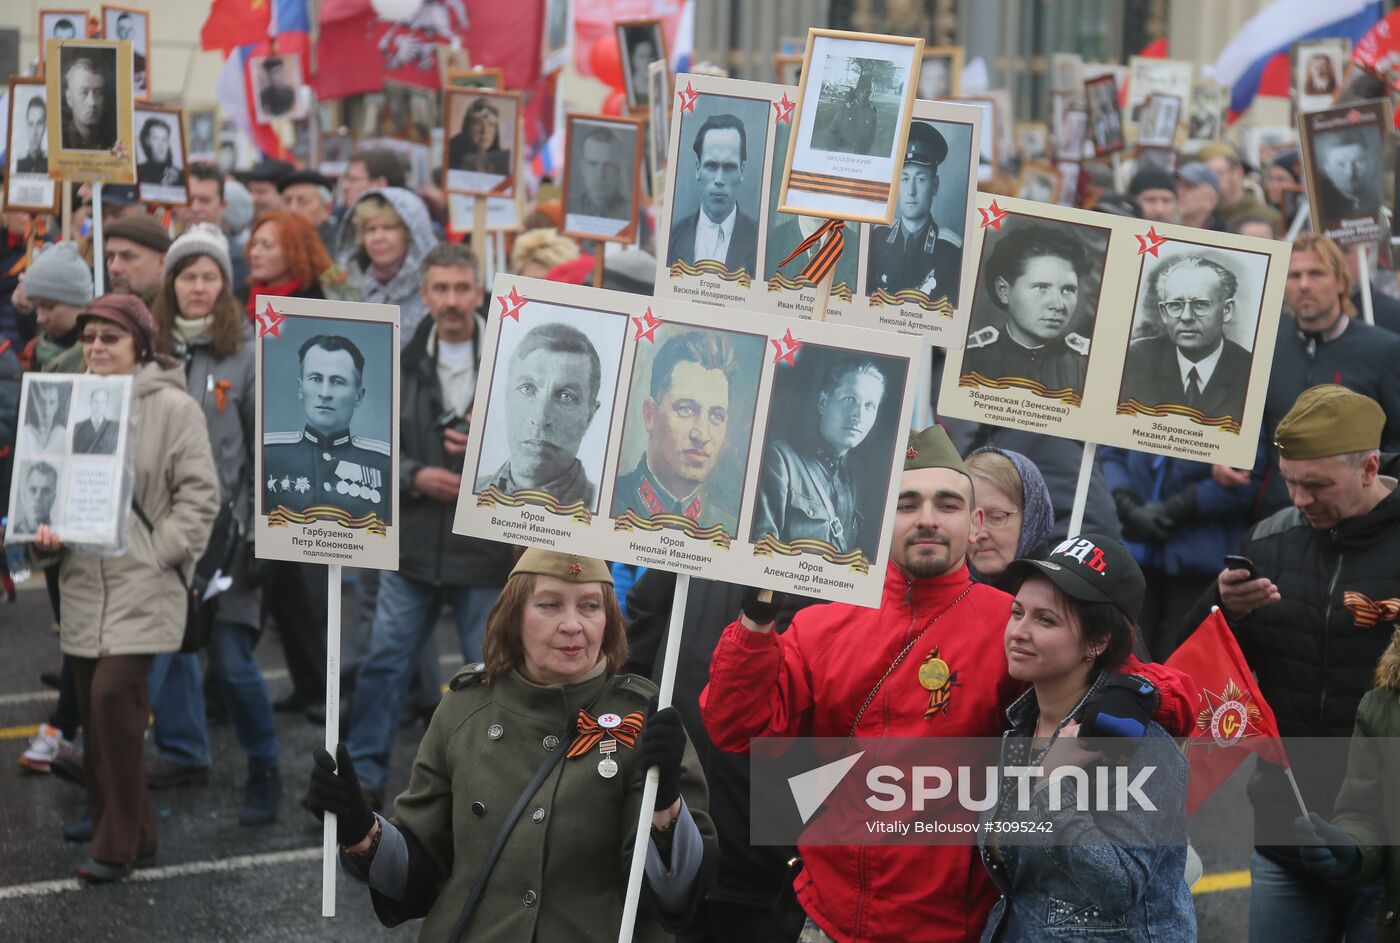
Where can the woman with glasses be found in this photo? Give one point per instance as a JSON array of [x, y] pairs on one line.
[[1016, 513], [120, 611]]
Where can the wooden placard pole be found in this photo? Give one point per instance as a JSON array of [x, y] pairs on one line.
[[1081, 488], [1363, 275], [479, 235], [653, 779], [99, 264], [66, 190], [329, 849]]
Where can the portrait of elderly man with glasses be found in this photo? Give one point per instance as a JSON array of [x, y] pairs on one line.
[[1191, 363]]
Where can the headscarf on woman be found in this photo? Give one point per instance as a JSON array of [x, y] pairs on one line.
[[1037, 511]]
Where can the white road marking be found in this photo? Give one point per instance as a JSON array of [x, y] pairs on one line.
[[236, 863]]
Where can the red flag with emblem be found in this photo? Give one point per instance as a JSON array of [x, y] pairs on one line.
[[1232, 719], [233, 23]]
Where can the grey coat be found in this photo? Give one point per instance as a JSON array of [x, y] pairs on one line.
[[402, 289], [231, 440]]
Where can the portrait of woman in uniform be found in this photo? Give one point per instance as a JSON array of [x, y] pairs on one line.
[[1037, 294], [833, 419], [689, 421]]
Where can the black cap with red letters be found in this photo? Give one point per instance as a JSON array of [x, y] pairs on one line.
[[1091, 568]]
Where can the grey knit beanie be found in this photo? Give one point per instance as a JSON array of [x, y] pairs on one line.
[[59, 274], [200, 239]]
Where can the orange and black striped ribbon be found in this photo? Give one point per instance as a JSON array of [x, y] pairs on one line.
[[1367, 612], [827, 256], [589, 733]]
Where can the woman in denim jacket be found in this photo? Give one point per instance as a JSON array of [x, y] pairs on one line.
[[1064, 873]]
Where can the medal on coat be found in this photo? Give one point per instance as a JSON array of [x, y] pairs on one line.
[[938, 680], [607, 766]]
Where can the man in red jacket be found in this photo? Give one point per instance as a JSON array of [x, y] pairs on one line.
[[843, 670]]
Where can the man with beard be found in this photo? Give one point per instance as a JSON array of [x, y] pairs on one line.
[[90, 123], [719, 229], [932, 651], [437, 566], [35, 161], [159, 167], [134, 250], [1033, 275], [806, 488], [686, 417]]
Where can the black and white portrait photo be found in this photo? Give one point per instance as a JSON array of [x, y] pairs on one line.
[[1071, 134], [160, 158], [44, 427], [204, 130], [327, 407], [555, 37], [97, 424], [689, 421], [1206, 122], [481, 152], [132, 26], [1157, 120], [1039, 182], [858, 106], [28, 186], [35, 496], [1105, 116], [88, 89], [940, 72], [718, 183], [61, 24], [1035, 304], [640, 43], [1318, 66], [553, 387], [1193, 329], [600, 177], [276, 87], [659, 118], [1343, 152], [833, 419], [922, 249]]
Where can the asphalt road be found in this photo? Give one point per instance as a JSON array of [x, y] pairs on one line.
[[218, 881]]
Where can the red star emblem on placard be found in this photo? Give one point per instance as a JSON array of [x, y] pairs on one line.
[[786, 346], [1150, 243], [646, 327], [511, 305], [784, 109], [992, 216], [688, 96], [270, 322]]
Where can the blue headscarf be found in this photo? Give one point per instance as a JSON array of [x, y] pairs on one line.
[[1037, 513]]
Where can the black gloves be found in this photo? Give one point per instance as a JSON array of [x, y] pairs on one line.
[[1145, 522], [663, 745], [1123, 708], [335, 788], [1337, 859], [761, 613], [1180, 507]]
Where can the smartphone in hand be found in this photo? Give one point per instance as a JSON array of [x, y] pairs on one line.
[[1234, 561]]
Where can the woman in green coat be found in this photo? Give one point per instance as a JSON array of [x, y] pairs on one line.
[[546, 721], [1362, 843]]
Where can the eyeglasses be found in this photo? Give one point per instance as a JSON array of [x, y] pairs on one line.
[[996, 519], [1200, 307], [108, 338]]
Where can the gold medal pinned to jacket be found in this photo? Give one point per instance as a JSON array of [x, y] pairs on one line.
[[938, 680]]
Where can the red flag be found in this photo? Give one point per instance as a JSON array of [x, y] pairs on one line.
[[1157, 49], [1233, 719], [1378, 52], [232, 23]]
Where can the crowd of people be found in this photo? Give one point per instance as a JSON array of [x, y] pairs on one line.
[[1045, 651]]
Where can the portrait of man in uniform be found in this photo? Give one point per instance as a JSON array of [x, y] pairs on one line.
[[810, 484], [33, 158], [98, 432], [45, 426], [1032, 282], [325, 462], [913, 252], [1191, 362], [275, 81], [550, 398], [719, 228], [858, 105], [600, 177], [88, 91], [686, 416], [122, 24]]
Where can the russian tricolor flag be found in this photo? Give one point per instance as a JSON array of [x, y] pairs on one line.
[[289, 25], [1277, 27]]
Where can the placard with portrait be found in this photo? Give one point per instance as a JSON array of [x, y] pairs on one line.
[[90, 100], [481, 146], [162, 170], [132, 25], [28, 186], [602, 177], [1344, 150]]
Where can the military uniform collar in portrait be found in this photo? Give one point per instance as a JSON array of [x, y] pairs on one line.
[[647, 496], [568, 488], [308, 468]]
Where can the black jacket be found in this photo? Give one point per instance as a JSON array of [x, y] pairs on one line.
[[1314, 652], [752, 875], [430, 552]]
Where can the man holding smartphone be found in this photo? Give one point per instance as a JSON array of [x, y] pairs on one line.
[[1311, 623], [436, 566]]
